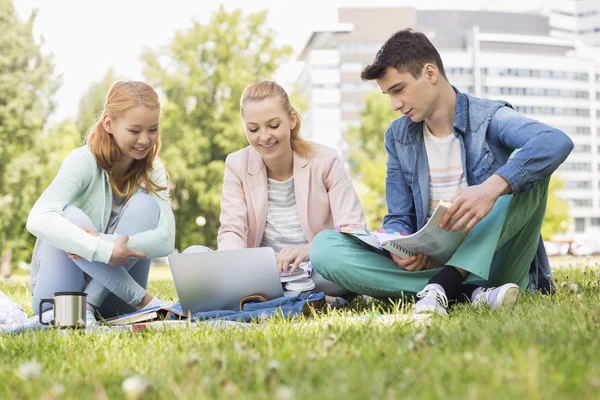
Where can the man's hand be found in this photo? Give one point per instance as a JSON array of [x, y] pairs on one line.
[[292, 255], [471, 204], [413, 263], [121, 253]]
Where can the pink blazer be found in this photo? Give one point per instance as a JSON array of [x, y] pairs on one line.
[[325, 196]]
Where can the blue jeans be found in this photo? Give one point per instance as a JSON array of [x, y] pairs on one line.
[[321, 284], [113, 290]]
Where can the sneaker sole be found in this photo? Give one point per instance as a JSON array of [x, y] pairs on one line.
[[425, 310], [508, 296]]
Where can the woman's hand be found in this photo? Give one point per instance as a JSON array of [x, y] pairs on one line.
[[121, 253], [293, 255], [92, 232]]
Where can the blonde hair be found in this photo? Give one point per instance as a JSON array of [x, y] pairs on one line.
[[122, 96], [268, 89]]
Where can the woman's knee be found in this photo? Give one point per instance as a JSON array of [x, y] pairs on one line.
[[144, 202], [78, 217]]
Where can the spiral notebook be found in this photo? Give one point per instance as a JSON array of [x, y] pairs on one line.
[[438, 244]]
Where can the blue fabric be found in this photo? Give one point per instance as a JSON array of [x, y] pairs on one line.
[[285, 307], [489, 131]]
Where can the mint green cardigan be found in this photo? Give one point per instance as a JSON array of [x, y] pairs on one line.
[[80, 182]]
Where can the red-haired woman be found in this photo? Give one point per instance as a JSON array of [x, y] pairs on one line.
[[107, 212]]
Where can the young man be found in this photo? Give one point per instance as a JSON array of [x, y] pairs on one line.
[[492, 163]]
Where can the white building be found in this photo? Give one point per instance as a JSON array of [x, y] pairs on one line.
[[489, 54], [576, 19]]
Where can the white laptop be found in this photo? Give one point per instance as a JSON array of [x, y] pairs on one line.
[[219, 280]]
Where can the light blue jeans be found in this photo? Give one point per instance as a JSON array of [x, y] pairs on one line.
[[112, 290], [321, 284]]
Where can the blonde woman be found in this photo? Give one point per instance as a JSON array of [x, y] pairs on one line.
[[107, 212], [282, 190]]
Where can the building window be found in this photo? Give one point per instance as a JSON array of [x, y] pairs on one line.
[[579, 224], [570, 184], [536, 73], [595, 221], [576, 166], [537, 92], [559, 111], [575, 130], [582, 148], [585, 203]]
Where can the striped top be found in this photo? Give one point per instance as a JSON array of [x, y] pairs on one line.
[[283, 226], [446, 175]]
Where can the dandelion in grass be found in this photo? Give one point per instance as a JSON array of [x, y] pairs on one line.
[[573, 288], [241, 347], [285, 393], [56, 391], [468, 356], [192, 360], [30, 370], [273, 366], [135, 387]]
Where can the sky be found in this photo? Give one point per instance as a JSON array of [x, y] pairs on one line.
[[88, 37]]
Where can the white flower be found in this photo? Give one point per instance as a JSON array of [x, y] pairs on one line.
[[134, 387], [468, 356], [273, 365], [573, 288], [30, 370], [57, 390], [285, 393]]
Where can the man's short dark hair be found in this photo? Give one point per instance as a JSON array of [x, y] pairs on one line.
[[407, 51]]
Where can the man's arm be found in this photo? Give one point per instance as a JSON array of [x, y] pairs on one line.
[[543, 148], [401, 216]]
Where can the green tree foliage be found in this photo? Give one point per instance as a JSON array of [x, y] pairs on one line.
[[92, 101], [202, 73], [557, 210], [27, 84], [367, 156]]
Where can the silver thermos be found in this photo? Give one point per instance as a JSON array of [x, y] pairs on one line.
[[69, 310]]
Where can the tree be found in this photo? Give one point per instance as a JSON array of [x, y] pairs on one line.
[[367, 156], [202, 73], [557, 210], [27, 84], [92, 101]]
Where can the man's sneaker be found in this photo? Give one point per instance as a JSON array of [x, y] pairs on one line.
[[502, 296], [433, 300]]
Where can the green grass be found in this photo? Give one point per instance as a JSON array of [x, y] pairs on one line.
[[547, 347]]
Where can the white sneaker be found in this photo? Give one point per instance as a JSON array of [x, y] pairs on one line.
[[433, 301], [502, 296]]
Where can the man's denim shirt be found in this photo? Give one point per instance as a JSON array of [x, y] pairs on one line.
[[488, 131]]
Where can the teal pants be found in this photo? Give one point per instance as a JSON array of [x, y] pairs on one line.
[[498, 250]]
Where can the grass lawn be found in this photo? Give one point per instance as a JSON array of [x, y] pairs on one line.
[[547, 347]]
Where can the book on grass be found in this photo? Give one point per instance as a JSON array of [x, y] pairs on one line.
[[436, 243], [159, 313], [303, 271]]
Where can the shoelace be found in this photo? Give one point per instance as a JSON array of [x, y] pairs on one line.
[[483, 296], [440, 297]]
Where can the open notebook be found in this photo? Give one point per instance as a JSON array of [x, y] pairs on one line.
[[152, 314], [438, 244]]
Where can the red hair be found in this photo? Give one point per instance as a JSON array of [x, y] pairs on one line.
[[122, 96]]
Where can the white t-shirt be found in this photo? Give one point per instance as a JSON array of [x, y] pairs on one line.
[[283, 226], [446, 175]]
